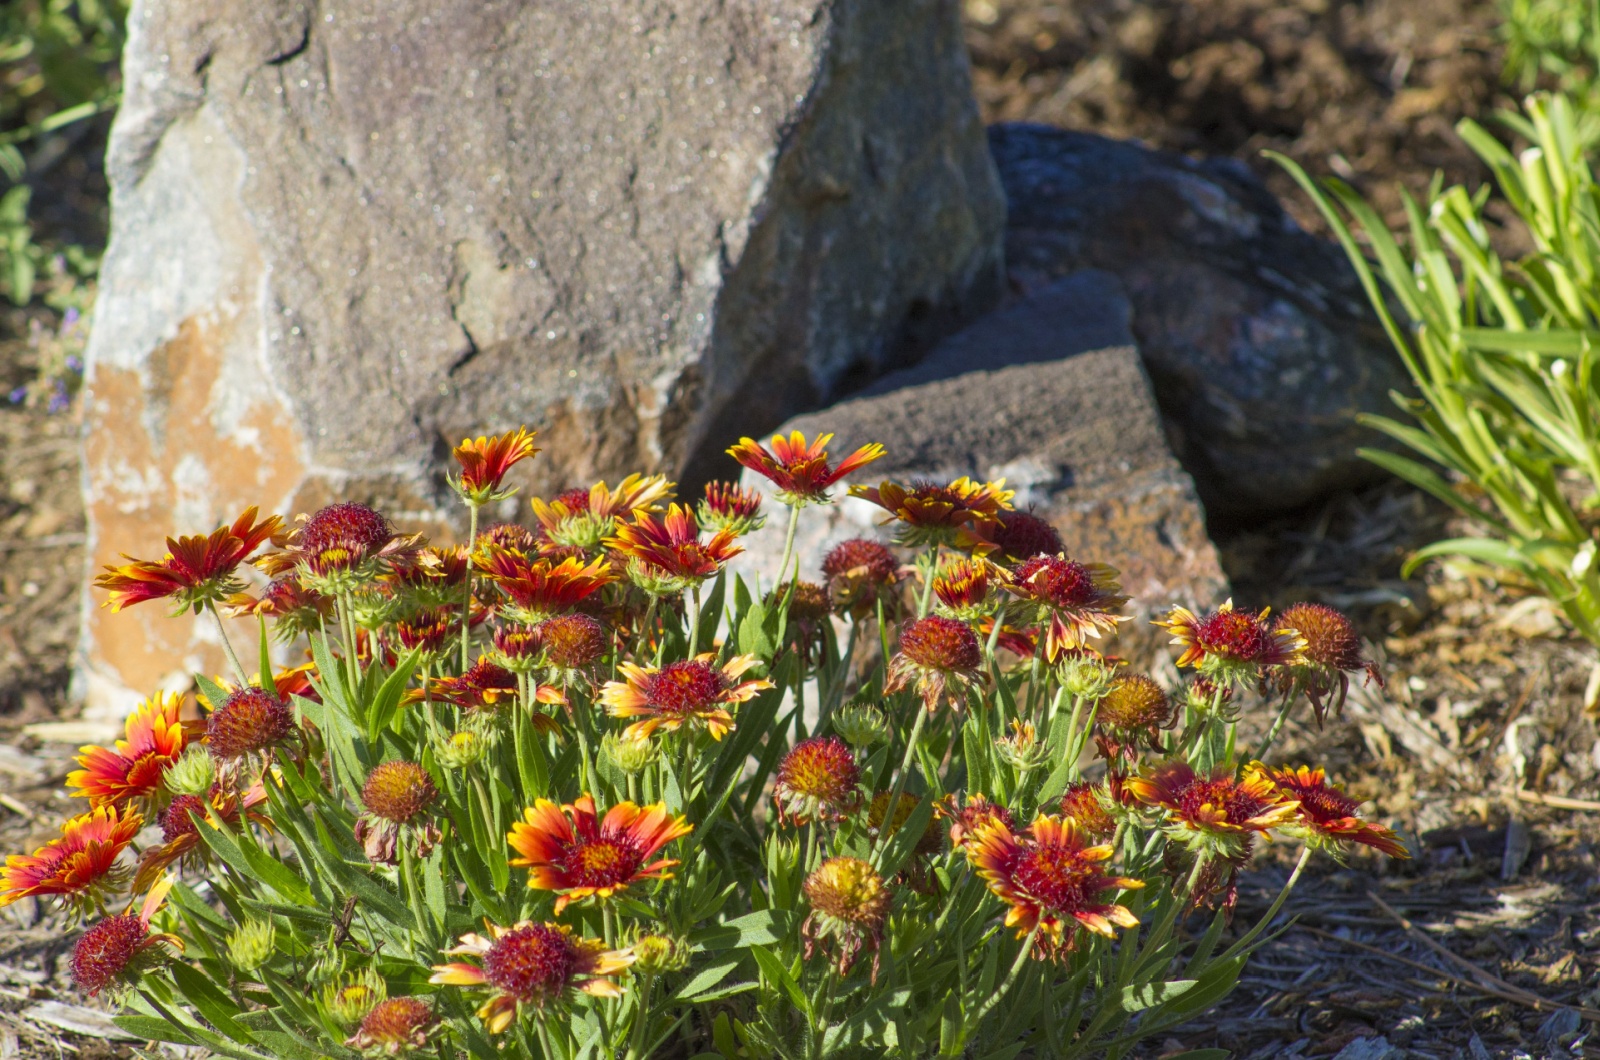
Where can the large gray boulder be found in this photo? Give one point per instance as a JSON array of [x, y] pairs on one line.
[[346, 235], [1256, 334]]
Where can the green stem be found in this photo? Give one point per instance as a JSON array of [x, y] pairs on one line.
[[899, 788], [694, 620], [347, 629], [641, 1019], [1010, 981], [538, 1023], [466, 604], [1277, 724], [840, 677], [788, 543], [1283, 896], [227, 648], [927, 588]]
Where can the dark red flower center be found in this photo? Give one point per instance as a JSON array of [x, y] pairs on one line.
[[939, 643], [822, 768], [575, 500], [686, 687], [1322, 804], [175, 820], [105, 950], [485, 676], [342, 535], [1235, 634], [1057, 878], [600, 862], [573, 641], [248, 721], [870, 559], [1059, 582], [1236, 803], [531, 963], [1022, 535]]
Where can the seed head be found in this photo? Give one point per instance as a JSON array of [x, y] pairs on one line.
[[106, 950], [398, 1025], [248, 722], [1023, 535], [848, 889], [1134, 703], [939, 643], [573, 641], [398, 791], [819, 779]]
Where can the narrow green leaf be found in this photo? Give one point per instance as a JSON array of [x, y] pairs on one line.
[[774, 972], [1138, 998]]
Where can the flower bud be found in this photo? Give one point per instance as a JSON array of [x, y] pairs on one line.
[[1022, 749], [349, 999], [630, 756], [654, 954], [861, 724], [459, 750], [193, 773], [1087, 676], [252, 944]]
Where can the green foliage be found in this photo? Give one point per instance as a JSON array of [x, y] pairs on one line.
[[1502, 352], [57, 65], [1553, 40]]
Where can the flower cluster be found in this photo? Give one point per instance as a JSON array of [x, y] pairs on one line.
[[572, 787]]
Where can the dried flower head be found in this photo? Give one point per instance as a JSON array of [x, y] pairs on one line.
[[690, 693], [196, 571], [80, 865], [485, 461], [1074, 601], [800, 469], [665, 555], [569, 850], [818, 780], [1328, 819], [118, 949], [1131, 716], [250, 721], [1332, 653], [398, 1025], [941, 656], [849, 905], [932, 513], [584, 518], [1232, 647], [573, 643], [729, 506], [531, 965], [862, 574], [295, 610], [1053, 880], [396, 796], [133, 769]]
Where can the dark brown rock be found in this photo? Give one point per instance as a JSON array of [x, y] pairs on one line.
[[1256, 335]]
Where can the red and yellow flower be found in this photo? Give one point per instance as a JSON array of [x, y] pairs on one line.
[[584, 518], [937, 513], [818, 780], [196, 571], [689, 694], [729, 506], [131, 771], [179, 837], [1327, 816], [537, 588], [963, 586], [799, 469], [116, 949], [941, 657], [530, 965], [1232, 647], [666, 555], [339, 548], [1217, 813], [486, 685], [969, 816], [294, 609], [569, 850], [1086, 804], [1053, 880], [1072, 601], [485, 461], [849, 904], [80, 865]]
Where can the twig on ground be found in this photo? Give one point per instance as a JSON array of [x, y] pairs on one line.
[[1558, 802]]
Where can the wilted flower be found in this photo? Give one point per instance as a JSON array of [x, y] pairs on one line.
[[1216, 813], [729, 506], [1233, 647], [531, 965], [1327, 816], [538, 588], [567, 849], [666, 555], [584, 518], [133, 770], [962, 588], [862, 724], [1053, 880], [252, 944], [80, 865], [485, 461], [119, 948], [819, 780], [1332, 653], [849, 904], [250, 721], [295, 610], [1074, 601], [396, 796], [932, 513], [518, 648], [861, 574], [339, 548], [800, 470], [1021, 749], [195, 571], [689, 693], [942, 656], [398, 1025], [486, 685], [1131, 715], [1085, 803]]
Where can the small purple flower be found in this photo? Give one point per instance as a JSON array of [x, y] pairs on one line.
[[17, 396], [70, 319], [60, 399], [75, 363]]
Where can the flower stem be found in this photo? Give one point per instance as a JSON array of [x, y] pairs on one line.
[[641, 1018], [227, 647], [788, 543], [887, 826], [1010, 981], [466, 604], [1277, 725], [694, 620], [1283, 896], [927, 588]]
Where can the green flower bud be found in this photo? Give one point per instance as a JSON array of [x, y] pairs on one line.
[[1087, 677], [654, 954], [630, 756], [460, 750], [252, 944], [861, 724], [350, 998], [193, 773]]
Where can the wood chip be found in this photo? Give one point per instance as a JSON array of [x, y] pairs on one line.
[[77, 732]]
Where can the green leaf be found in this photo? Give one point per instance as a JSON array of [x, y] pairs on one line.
[[210, 1002], [774, 972], [387, 701], [1139, 998], [152, 1028], [753, 636], [251, 862], [1483, 549], [705, 979], [903, 842], [264, 678], [215, 694], [749, 930]]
